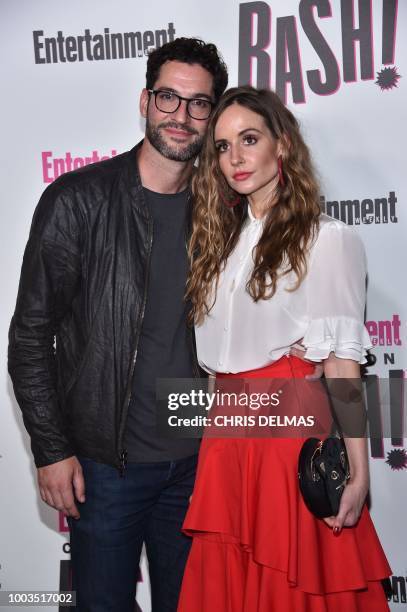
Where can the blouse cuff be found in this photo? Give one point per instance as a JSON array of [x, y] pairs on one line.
[[345, 337]]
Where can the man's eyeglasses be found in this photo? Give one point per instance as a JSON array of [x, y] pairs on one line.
[[169, 102]]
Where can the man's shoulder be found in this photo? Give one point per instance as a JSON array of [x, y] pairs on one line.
[[74, 193]]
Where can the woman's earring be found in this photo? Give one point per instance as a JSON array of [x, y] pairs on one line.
[[281, 178], [230, 203]]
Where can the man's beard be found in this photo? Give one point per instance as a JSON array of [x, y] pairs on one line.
[[181, 154]]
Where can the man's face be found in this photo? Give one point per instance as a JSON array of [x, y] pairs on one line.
[[176, 135]]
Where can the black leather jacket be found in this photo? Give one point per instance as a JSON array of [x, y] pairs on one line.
[[74, 334]]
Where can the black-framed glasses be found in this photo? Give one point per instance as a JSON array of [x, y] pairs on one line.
[[169, 102]]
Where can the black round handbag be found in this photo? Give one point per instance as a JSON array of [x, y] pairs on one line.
[[323, 471]]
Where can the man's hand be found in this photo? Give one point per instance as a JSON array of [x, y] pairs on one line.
[[60, 483], [297, 350]]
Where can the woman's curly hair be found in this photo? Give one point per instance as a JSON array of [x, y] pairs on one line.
[[290, 223]]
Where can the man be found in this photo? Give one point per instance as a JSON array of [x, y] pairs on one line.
[[104, 273]]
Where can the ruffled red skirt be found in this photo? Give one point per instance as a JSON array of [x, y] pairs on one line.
[[257, 548]]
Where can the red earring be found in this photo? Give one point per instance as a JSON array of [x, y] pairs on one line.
[[231, 203], [281, 178]]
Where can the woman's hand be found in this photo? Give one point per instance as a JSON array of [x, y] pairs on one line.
[[298, 350], [350, 508]]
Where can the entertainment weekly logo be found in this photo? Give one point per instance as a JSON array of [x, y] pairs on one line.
[[385, 332], [386, 397], [396, 589], [53, 167], [367, 211], [89, 46], [348, 61]]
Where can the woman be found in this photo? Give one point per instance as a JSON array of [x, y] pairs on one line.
[[269, 271]]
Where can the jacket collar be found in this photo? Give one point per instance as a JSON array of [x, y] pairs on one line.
[[132, 180], [131, 176]]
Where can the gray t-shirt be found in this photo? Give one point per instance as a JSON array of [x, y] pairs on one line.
[[164, 349]]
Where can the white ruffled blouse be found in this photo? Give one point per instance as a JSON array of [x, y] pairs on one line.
[[325, 314]]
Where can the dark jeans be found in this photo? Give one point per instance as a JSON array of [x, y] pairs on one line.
[[148, 504]]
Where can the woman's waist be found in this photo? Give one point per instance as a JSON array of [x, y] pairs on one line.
[[287, 366]]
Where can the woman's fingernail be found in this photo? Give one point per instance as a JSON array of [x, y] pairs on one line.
[[337, 531]]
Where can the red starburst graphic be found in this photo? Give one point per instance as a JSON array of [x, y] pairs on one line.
[[388, 78], [397, 459]]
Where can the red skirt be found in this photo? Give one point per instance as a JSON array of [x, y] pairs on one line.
[[257, 548]]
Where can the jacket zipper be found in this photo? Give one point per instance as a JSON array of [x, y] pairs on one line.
[[123, 451]]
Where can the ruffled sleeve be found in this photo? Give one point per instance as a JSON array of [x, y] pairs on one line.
[[336, 295]]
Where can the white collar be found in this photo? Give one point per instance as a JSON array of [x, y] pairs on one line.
[[251, 216]]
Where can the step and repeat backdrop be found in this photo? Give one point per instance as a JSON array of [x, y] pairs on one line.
[[71, 76]]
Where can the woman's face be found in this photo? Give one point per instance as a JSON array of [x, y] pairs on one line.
[[247, 152]]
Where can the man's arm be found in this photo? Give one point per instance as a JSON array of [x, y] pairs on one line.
[[50, 278]]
